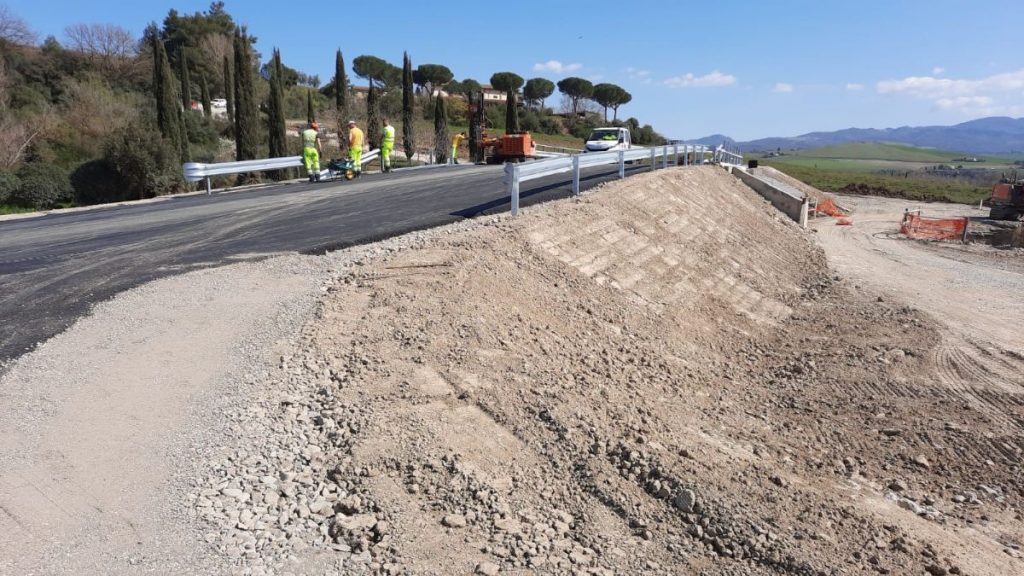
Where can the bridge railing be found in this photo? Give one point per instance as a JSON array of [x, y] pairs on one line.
[[682, 154], [724, 155]]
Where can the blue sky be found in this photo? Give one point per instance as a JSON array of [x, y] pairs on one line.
[[748, 70]]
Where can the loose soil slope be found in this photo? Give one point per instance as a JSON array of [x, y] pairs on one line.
[[661, 378]]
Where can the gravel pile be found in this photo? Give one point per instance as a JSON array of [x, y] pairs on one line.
[[672, 383]]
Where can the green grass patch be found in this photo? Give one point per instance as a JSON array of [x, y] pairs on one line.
[[877, 151], [895, 153], [819, 163], [911, 187], [5, 209]]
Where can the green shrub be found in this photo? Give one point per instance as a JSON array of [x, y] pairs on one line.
[[529, 121], [203, 137], [550, 125], [494, 117], [645, 136], [582, 129], [9, 184], [42, 186], [146, 164], [97, 182]]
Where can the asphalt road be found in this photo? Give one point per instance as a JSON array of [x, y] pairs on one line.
[[53, 268]]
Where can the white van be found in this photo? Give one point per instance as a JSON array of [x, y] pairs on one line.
[[608, 139]]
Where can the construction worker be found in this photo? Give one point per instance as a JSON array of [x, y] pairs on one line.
[[387, 144], [456, 142], [311, 149], [355, 147]]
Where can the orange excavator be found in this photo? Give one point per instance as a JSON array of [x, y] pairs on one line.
[[509, 147], [1007, 201]]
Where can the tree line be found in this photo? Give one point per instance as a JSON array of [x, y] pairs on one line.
[[102, 116]]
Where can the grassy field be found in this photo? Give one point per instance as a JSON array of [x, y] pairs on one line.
[[895, 153], [869, 169], [860, 182]]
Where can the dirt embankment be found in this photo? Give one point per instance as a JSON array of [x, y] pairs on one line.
[[661, 378]]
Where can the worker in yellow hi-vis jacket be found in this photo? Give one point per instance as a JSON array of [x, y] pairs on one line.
[[311, 150], [355, 147], [456, 142], [387, 145]]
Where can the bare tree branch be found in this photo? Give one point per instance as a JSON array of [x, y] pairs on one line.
[[14, 29], [15, 133], [107, 41], [112, 48]]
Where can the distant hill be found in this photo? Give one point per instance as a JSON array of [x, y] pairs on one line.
[[995, 135]]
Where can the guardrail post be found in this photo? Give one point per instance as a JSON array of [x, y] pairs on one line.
[[622, 164], [208, 191], [664, 156], [576, 175], [675, 152], [512, 174]]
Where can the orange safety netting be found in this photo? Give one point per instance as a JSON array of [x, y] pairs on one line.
[[829, 208], [915, 226]]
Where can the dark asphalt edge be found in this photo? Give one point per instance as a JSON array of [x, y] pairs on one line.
[[499, 205], [545, 192]]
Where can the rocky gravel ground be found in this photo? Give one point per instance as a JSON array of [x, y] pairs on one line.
[[662, 378]]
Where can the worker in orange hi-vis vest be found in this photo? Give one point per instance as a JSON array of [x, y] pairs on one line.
[[355, 147]]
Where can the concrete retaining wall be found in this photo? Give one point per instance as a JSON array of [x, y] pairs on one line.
[[789, 202]]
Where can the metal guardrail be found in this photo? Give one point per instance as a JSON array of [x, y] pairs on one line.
[[197, 171], [684, 155], [546, 151], [725, 156]]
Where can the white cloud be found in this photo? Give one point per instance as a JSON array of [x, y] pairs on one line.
[[713, 80], [961, 102], [929, 87], [854, 86], [556, 67], [783, 88], [986, 96], [938, 70], [638, 75]]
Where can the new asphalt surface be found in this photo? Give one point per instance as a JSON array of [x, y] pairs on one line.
[[54, 267]]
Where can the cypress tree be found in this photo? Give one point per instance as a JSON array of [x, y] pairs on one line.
[[373, 126], [204, 96], [186, 82], [476, 122], [158, 88], [340, 87], [275, 121], [310, 116], [168, 115], [442, 139], [511, 114], [408, 101], [246, 112], [229, 91]]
